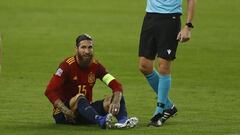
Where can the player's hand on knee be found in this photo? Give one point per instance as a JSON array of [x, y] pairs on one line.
[[115, 103], [69, 115], [114, 108]]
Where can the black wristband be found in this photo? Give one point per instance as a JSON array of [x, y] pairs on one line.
[[189, 25]]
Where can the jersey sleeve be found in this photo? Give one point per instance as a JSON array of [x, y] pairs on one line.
[[108, 79], [101, 71], [53, 89]]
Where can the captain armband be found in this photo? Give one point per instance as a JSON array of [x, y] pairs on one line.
[[107, 79]]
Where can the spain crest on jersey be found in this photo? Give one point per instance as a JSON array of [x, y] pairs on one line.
[[91, 78]]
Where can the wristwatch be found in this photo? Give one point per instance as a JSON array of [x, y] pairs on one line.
[[189, 25]]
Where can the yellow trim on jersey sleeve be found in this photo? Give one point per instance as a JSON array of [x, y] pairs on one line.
[[70, 60], [107, 79]]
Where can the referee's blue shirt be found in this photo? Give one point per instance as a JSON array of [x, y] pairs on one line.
[[164, 6]]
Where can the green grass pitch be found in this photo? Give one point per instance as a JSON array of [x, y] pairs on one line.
[[37, 35]]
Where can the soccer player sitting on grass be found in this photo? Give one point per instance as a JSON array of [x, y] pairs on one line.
[[70, 91]]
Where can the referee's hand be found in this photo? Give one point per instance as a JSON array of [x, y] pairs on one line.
[[184, 35]]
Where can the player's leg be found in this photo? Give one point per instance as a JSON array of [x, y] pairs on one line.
[[163, 90], [164, 84], [165, 109], [102, 107], [59, 117], [167, 46], [147, 46], [85, 110], [122, 117], [153, 80], [148, 51]]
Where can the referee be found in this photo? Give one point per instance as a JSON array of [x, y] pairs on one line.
[[160, 34]]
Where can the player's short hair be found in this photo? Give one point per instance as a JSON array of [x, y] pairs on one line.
[[81, 38]]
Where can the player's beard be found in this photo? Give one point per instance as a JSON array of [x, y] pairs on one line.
[[84, 60]]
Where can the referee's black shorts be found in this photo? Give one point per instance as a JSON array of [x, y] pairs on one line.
[[159, 36]]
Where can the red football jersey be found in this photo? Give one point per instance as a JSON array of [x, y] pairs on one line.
[[70, 79]]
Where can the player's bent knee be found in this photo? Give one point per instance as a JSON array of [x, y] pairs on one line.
[[164, 69], [164, 66], [74, 101], [145, 66], [145, 69]]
